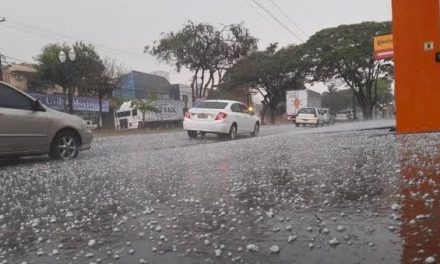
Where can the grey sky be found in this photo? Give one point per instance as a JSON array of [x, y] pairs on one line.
[[121, 28]]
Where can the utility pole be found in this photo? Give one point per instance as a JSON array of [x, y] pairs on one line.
[[1, 68], [2, 19]]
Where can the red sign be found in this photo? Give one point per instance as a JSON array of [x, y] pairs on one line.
[[383, 54]]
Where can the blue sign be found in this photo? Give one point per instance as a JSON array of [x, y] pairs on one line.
[[79, 103]]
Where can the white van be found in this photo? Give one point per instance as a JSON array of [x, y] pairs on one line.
[[310, 116]]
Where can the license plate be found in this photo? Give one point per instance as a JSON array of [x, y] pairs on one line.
[[202, 116]]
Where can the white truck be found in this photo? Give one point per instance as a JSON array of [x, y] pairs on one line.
[[170, 114], [297, 99]]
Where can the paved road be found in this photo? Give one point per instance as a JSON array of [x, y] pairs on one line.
[[342, 194]]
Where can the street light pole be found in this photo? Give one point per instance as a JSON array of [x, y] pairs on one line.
[[63, 58], [2, 19]]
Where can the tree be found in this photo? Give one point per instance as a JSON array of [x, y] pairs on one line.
[[69, 75], [144, 106], [208, 52], [337, 100], [271, 73], [346, 53], [107, 76]]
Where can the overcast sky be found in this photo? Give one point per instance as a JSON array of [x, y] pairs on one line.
[[121, 28]]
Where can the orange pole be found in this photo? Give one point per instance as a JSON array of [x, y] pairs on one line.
[[416, 30]]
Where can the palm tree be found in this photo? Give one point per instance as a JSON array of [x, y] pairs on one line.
[[144, 106]]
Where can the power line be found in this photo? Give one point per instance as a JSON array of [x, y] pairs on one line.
[[277, 20], [16, 59], [22, 26], [288, 18], [261, 15]]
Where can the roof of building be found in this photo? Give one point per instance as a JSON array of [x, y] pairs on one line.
[[22, 67], [150, 81]]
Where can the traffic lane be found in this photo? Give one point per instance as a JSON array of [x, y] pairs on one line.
[[234, 194], [173, 139]]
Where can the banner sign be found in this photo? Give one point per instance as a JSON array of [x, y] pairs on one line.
[[383, 47], [89, 104]]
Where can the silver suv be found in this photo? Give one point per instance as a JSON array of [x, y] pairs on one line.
[[27, 127]]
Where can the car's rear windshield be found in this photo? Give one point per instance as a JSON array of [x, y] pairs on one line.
[[212, 105], [307, 111]]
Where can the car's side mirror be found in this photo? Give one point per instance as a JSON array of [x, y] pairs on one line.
[[36, 106]]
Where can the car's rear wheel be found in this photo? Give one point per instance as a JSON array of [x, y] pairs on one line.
[[256, 130], [65, 146], [192, 134], [297, 125], [233, 132]]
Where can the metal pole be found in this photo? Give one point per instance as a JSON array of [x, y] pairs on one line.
[[2, 19], [1, 67]]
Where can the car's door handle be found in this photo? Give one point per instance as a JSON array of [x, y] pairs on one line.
[[1, 114]]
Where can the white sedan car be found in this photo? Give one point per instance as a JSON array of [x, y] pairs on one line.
[[222, 117]]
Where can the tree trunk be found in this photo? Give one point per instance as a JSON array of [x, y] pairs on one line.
[[263, 113], [194, 83], [100, 111], [272, 112], [367, 111]]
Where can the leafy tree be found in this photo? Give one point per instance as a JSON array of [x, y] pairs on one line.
[[144, 106], [337, 100], [107, 76], [346, 53], [208, 52], [69, 75], [271, 73]]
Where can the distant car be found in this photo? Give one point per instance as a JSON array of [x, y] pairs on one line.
[[27, 127], [222, 117], [343, 116], [90, 125], [327, 116], [310, 116]]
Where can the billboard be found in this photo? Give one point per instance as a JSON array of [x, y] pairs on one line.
[[56, 102], [383, 47]]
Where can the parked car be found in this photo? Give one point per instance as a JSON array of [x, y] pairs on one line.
[[327, 116], [343, 116], [310, 116], [30, 128], [90, 124], [222, 117]]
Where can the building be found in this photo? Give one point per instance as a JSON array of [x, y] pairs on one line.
[[23, 77], [164, 74], [185, 94], [19, 75], [141, 85]]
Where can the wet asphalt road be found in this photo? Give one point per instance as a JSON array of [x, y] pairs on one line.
[[321, 195]]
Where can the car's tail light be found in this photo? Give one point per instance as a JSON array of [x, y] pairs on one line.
[[221, 116], [187, 115]]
